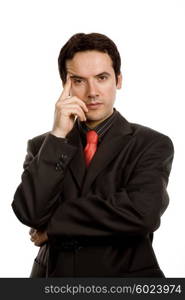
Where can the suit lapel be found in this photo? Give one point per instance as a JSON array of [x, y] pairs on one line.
[[114, 141]]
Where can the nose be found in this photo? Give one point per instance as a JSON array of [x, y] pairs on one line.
[[92, 90]]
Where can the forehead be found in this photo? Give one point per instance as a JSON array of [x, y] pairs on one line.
[[88, 63]]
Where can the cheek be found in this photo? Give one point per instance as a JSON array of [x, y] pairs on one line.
[[109, 87], [110, 92]]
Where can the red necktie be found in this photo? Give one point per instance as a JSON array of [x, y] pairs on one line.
[[91, 146]]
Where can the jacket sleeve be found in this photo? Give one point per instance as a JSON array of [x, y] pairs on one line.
[[38, 194], [133, 210]]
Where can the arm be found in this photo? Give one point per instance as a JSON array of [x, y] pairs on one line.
[[133, 210], [38, 195], [39, 192]]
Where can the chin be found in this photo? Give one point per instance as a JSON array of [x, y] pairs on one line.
[[95, 115]]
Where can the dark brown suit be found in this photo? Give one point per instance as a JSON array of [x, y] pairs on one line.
[[99, 223]]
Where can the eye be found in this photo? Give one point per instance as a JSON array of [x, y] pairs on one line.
[[103, 77], [77, 80]]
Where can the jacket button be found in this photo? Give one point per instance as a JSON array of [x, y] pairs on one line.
[[63, 157], [58, 166]]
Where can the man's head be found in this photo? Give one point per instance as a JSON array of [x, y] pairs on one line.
[[92, 62], [85, 42]]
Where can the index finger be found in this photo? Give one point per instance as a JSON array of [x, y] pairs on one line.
[[67, 88], [31, 231]]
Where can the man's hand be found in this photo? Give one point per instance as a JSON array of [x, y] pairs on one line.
[[38, 237], [66, 109]]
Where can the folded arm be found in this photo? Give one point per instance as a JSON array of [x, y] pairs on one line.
[[38, 194], [134, 209]]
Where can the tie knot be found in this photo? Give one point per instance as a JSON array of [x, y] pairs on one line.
[[92, 137]]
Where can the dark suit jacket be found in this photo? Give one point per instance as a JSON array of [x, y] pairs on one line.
[[100, 222]]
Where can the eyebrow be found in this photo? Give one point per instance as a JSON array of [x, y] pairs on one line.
[[98, 75]]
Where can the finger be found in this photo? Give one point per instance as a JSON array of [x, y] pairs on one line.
[[35, 239], [77, 101], [41, 238], [73, 110], [74, 100], [39, 243], [79, 113], [34, 234], [31, 231], [67, 88], [32, 239]]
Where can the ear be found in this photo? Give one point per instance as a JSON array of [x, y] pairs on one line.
[[119, 81]]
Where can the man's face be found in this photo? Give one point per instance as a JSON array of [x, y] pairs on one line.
[[93, 81]]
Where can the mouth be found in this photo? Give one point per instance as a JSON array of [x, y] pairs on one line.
[[93, 106]]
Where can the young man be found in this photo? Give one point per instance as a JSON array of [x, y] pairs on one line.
[[94, 187]]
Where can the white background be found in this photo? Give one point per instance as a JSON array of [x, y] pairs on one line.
[[150, 35]]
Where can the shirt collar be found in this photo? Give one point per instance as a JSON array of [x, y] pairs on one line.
[[100, 129]]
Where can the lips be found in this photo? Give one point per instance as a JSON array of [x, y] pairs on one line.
[[94, 105]]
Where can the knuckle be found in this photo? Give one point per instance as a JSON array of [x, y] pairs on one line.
[[79, 110], [77, 100]]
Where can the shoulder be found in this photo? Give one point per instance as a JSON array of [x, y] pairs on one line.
[[39, 138], [36, 142], [148, 132], [147, 136]]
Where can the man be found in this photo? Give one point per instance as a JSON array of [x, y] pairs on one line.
[[94, 187]]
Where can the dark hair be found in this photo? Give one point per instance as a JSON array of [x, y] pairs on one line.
[[84, 42]]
